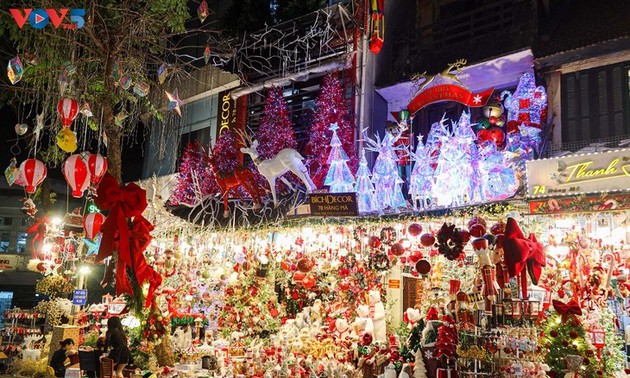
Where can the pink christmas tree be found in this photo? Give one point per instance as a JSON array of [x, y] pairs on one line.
[[276, 130], [331, 108], [224, 154], [195, 179]]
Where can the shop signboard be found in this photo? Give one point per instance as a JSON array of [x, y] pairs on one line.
[[333, 204], [600, 172], [232, 115], [80, 297], [9, 262]]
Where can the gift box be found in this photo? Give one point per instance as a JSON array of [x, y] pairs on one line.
[[446, 373]]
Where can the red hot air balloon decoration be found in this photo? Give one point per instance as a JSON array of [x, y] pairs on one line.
[[68, 109], [92, 224], [97, 165], [77, 175], [33, 172]]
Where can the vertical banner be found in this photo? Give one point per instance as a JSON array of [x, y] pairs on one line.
[[232, 116]]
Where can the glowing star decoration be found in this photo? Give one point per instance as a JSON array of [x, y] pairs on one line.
[[174, 102], [202, 11], [66, 140], [15, 70], [92, 245], [528, 104], [339, 178], [86, 110], [162, 72], [206, 54]]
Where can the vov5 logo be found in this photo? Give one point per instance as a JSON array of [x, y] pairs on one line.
[[39, 18]]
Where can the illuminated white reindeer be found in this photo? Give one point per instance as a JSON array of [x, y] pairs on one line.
[[286, 160]]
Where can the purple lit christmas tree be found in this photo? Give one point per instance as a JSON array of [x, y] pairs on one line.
[[339, 178], [195, 179], [331, 108]]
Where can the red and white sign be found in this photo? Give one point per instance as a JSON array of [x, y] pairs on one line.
[[449, 92]]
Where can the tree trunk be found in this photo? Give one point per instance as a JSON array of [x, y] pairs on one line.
[[114, 143]]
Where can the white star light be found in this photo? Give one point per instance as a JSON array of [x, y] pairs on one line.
[[477, 99]]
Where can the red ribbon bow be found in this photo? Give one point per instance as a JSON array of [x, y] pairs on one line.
[[521, 253], [123, 204], [567, 310]]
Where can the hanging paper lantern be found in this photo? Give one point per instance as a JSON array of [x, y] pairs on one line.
[[377, 25], [33, 172], [97, 165], [77, 175], [92, 224], [68, 110]]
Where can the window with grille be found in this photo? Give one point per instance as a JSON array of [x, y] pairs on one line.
[[595, 103]]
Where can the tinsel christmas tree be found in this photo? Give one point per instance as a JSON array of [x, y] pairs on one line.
[[365, 188], [276, 130], [331, 108], [224, 157], [339, 178], [195, 179]]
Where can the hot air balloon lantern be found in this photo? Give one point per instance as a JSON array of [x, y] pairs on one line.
[[77, 175], [33, 172], [97, 165], [92, 224], [68, 109]]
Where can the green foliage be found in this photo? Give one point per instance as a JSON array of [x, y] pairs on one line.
[[568, 338]]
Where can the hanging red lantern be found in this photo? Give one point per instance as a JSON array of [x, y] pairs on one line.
[[77, 175], [97, 165], [68, 110], [377, 25], [92, 224], [33, 172]]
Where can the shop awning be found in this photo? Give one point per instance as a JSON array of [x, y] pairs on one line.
[[500, 72]]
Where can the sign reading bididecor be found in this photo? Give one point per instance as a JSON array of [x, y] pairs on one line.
[[333, 204], [579, 174]]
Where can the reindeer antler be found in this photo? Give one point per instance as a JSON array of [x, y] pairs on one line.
[[244, 137], [459, 63]]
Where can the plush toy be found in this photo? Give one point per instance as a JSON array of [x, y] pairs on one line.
[[342, 329], [377, 313], [363, 323], [411, 317]]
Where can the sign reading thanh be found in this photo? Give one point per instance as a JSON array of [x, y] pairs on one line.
[[579, 174], [333, 204]]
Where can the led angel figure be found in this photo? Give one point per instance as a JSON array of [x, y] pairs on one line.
[[454, 170], [497, 175], [421, 181], [387, 182]]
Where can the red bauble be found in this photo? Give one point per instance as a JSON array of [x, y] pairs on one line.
[[498, 228], [415, 257], [374, 242], [298, 276], [308, 282], [498, 241], [477, 230], [305, 265], [565, 343], [41, 267], [573, 334], [479, 244], [476, 219], [553, 333], [414, 229], [423, 267], [344, 285], [492, 120], [397, 249], [462, 236], [427, 240], [586, 361]]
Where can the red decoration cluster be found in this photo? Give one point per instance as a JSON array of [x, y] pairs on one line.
[[331, 107], [195, 177], [446, 343]]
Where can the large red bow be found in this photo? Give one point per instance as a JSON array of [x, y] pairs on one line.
[[140, 239], [123, 204], [568, 310], [521, 253]]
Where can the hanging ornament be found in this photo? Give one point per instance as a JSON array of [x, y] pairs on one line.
[[12, 172], [21, 129], [68, 109], [202, 11], [414, 229], [15, 70], [39, 124], [77, 175], [397, 249], [66, 140], [305, 265], [86, 110], [174, 102], [92, 224], [33, 173], [116, 71], [97, 165], [427, 240], [377, 25], [206, 54], [162, 72], [125, 82], [119, 119], [141, 88]]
